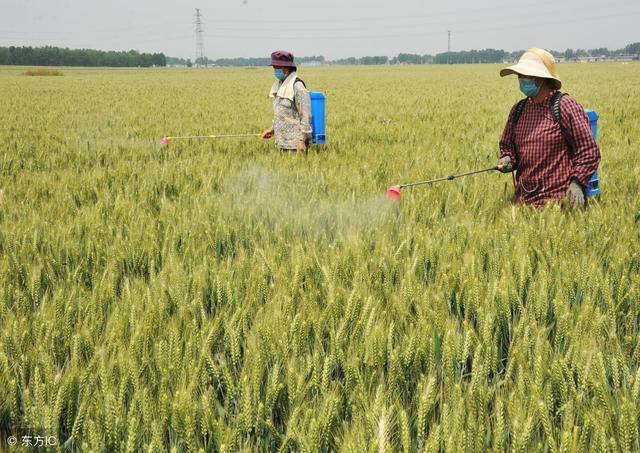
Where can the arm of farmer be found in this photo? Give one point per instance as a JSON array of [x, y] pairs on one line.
[[508, 160], [303, 105], [585, 156]]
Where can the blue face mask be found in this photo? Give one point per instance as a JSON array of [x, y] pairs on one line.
[[529, 87], [279, 73]]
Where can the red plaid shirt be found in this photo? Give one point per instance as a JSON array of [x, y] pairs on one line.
[[540, 152]]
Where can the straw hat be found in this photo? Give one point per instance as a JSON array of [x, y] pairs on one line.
[[536, 63]]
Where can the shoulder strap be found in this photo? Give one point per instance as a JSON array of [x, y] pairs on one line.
[[554, 105], [556, 113], [298, 79], [519, 108]]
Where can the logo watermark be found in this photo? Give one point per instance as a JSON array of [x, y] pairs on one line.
[[32, 441]]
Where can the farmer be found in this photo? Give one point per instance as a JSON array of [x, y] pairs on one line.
[[291, 124], [553, 153]]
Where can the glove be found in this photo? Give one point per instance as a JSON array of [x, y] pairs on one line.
[[575, 195], [505, 165], [267, 134]]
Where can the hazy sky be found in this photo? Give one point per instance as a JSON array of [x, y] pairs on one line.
[[333, 28]]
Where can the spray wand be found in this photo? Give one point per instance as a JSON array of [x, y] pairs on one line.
[[393, 192], [166, 139]]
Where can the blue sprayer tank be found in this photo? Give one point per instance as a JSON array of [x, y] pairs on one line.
[[318, 117], [593, 186]]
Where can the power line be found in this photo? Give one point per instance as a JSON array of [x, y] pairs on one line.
[[343, 23], [473, 29], [321, 31], [132, 38], [437, 16], [463, 31]]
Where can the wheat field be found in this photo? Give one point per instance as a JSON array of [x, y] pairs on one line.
[[219, 295]]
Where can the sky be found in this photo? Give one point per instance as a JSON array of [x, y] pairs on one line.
[[333, 28]]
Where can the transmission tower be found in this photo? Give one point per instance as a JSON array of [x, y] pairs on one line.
[[200, 61]]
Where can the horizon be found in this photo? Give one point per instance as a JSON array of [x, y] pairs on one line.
[[314, 57]]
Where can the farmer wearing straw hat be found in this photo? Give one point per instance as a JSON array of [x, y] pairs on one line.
[[553, 160], [291, 125]]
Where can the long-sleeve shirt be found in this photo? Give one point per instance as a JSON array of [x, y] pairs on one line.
[[545, 162], [292, 117]]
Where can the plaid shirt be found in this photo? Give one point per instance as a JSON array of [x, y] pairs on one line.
[[540, 153]]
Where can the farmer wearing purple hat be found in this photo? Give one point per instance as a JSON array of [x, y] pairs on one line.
[[291, 124]]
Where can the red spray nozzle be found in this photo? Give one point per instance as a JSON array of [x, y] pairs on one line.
[[393, 193]]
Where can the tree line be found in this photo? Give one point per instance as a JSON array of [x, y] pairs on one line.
[[486, 56], [57, 56], [461, 57]]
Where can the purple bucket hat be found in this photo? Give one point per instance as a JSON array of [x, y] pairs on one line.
[[282, 58]]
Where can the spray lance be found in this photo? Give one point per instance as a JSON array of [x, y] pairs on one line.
[[167, 139], [393, 192], [317, 125]]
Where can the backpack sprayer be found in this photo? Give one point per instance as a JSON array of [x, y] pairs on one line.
[[317, 125], [593, 185], [318, 117]]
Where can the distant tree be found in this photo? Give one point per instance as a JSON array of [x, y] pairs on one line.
[[347, 61], [375, 60], [242, 61], [57, 56], [409, 58], [580, 53], [312, 59], [175, 61], [633, 49], [159, 59], [514, 56], [471, 57]]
